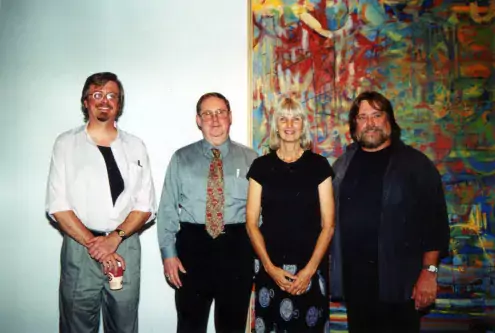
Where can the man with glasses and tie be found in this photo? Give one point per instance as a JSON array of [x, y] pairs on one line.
[[201, 224], [101, 193]]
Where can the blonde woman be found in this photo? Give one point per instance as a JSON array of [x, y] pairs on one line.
[[291, 188]]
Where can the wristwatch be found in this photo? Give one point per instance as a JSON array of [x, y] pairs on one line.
[[431, 268], [121, 233]]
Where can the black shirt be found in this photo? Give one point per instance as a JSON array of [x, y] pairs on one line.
[[361, 204], [114, 177], [290, 204]]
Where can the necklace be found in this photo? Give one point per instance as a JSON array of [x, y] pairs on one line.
[[290, 159]]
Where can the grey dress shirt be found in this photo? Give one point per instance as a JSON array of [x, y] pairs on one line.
[[184, 189]]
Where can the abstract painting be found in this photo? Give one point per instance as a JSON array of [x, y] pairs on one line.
[[435, 60]]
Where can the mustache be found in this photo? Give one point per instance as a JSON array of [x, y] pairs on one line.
[[106, 105], [371, 129]]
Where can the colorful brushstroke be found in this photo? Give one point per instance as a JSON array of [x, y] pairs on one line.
[[435, 59]]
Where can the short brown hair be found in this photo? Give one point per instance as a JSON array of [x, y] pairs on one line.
[[208, 95]]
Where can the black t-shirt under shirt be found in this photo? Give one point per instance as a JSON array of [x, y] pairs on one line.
[[114, 176], [361, 205]]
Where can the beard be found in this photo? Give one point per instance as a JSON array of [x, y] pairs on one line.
[[104, 115], [372, 142]]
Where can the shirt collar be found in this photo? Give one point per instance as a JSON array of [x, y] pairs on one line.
[[88, 137], [206, 148]]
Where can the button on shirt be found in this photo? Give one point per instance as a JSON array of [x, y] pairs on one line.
[[184, 190], [78, 180]]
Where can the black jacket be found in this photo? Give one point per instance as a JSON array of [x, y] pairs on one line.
[[413, 221]]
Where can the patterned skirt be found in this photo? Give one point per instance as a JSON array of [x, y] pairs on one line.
[[279, 311]]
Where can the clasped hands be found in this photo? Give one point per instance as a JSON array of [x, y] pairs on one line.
[[292, 284], [103, 249]]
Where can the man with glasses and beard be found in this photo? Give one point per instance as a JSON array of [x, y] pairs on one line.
[[201, 224], [101, 193], [391, 224]]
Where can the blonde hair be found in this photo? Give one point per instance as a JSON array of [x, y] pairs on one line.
[[285, 107]]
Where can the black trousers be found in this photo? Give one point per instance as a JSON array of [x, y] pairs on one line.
[[366, 313], [218, 269]]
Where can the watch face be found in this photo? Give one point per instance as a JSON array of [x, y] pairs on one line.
[[121, 233], [432, 269]]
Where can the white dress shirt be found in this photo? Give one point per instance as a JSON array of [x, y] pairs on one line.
[[78, 180]]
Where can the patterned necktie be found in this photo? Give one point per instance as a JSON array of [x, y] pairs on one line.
[[214, 196]]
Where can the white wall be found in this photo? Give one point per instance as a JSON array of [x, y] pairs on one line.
[[167, 53]]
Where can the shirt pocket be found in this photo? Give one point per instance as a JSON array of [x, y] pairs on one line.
[[237, 186], [193, 186], [135, 177]]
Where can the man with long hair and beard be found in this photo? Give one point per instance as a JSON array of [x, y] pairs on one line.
[[391, 224]]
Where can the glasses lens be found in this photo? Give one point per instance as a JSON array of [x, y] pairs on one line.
[[111, 96], [97, 95]]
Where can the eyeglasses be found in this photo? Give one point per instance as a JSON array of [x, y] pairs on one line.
[[208, 115], [375, 117], [99, 95]]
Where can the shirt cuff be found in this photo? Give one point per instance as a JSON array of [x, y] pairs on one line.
[[168, 252], [58, 206], [55, 208], [145, 209]]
